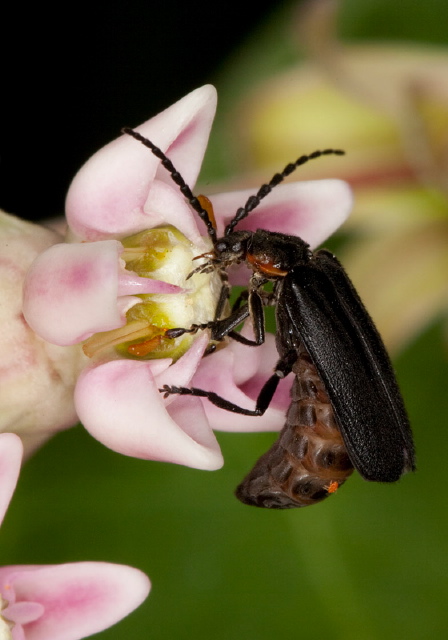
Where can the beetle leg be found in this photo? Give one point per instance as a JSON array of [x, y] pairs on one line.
[[283, 367], [219, 328], [225, 327], [223, 296]]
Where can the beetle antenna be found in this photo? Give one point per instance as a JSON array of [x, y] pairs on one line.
[[254, 200], [177, 178]]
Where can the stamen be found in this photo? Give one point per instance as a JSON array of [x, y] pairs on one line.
[[130, 331], [132, 253]]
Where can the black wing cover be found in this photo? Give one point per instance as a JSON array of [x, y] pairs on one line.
[[319, 306]]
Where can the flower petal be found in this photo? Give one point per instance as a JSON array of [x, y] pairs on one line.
[[109, 195], [119, 404], [79, 599], [411, 264], [238, 373], [166, 205], [23, 612], [11, 451], [71, 291], [312, 210]]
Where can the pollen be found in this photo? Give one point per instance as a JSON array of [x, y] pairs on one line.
[[334, 486], [142, 349], [130, 331]]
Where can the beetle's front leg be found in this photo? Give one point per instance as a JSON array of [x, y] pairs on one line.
[[226, 327]]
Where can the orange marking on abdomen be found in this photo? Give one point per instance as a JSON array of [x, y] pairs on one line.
[[334, 486]]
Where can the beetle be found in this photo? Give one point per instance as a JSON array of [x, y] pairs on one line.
[[346, 407]]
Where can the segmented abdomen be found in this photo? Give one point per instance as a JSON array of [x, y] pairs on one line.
[[309, 460]]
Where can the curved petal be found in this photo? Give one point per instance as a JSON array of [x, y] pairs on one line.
[[23, 612], [11, 451], [79, 599], [237, 373], [312, 209], [70, 291], [109, 194], [119, 404], [166, 205], [182, 131]]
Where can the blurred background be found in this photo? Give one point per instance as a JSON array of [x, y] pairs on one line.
[[369, 76]]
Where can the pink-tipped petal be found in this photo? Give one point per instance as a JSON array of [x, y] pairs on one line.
[[181, 372], [119, 403], [11, 451], [109, 194], [166, 205], [237, 373], [70, 291], [312, 210], [182, 131], [78, 599]]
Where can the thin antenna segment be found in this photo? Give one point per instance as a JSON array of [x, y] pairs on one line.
[[177, 179], [254, 200]]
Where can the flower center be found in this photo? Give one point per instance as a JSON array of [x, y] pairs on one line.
[[166, 255]]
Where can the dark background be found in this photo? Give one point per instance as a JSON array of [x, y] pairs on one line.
[[74, 75]]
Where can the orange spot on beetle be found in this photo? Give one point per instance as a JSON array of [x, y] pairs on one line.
[[334, 486], [264, 266]]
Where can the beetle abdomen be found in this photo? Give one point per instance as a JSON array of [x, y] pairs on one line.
[[309, 460]]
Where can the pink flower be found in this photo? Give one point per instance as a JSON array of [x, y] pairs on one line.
[[122, 281], [60, 602], [36, 378]]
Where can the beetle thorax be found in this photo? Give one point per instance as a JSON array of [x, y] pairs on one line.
[[274, 254]]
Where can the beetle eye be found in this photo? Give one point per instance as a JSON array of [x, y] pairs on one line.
[[220, 247], [237, 247]]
